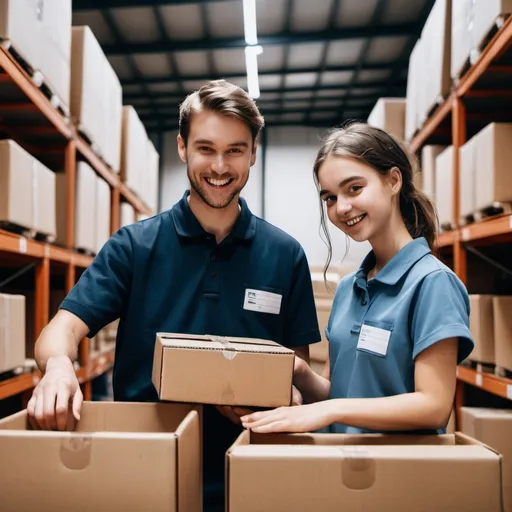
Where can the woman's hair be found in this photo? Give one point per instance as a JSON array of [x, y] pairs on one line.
[[381, 151]]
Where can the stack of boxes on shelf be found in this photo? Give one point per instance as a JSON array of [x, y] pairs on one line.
[[12, 331], [105, 339], [388, 114]]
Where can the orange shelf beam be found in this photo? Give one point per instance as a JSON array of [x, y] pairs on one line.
[[95, 161], [135, 201], [446, 239], [486, 381], [17, 244], [501, 225]]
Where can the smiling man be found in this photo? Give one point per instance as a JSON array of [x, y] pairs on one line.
[[206, 266]]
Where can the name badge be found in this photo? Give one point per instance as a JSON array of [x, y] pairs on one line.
[[262, 302], [374, 339]]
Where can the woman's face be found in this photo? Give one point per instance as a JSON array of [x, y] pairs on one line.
[[358, 199]]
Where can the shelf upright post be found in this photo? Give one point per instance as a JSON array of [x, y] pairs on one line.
[[115, 209]]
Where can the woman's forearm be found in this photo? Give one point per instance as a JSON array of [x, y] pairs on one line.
[[312, 386]]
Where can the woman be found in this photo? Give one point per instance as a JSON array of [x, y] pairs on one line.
[[399, 325]]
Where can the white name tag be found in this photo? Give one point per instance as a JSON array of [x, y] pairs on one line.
[[263, 302], [373, 339]]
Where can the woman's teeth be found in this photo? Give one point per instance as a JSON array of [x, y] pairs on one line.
[[353, 222], [218, 183]]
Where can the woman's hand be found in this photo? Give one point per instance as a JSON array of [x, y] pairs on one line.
[[302, 418]]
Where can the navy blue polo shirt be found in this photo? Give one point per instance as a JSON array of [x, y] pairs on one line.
[[167, 274]]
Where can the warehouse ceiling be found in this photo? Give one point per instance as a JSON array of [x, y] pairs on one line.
[[323, 61]]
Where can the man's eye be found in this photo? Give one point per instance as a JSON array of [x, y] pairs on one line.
[[205, 149]]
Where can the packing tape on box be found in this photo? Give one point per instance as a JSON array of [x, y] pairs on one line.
[[5, 327], [75, 451], [229, 351], [358, 468]]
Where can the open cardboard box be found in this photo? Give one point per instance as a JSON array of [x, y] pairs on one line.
[[222, 370], [333, 472], [120, 456]]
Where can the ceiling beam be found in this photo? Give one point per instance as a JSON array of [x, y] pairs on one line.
[[207, 43], [86, 5]]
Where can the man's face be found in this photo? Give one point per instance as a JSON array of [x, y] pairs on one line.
[[218, 155]]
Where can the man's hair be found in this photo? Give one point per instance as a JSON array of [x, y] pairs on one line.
[[226, 99]]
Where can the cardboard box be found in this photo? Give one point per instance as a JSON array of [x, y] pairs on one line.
[[502, 307], [428, 168], [481, 322], [12, 331], [113, 102], [151, 197], [44, 190], [324, 287], [320, 351], [493, 427], [467, 192], [413, 92], [40, 31], [122, 456], [444, 187], [222, 370], [333, 472], [127, 214], [102, 213], [85, 203], [494, 154], [388, 114]]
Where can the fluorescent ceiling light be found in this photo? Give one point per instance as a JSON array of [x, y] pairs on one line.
[[251, 34], [251, 64]]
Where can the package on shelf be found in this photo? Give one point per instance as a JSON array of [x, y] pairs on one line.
[[388, 114], [414, 90], [493, 157], [429, 154], [445, 187], [436, 35], [222, 370], [96, 96], [357, 472], [152, 182], [134, 151], [482, 328], [320, 351], [502, 307], [467, 172], [40, 32], [102, 213], [127, 214], [472, 21], [27, 190], [12, 331], [85, 203], [119, 456]]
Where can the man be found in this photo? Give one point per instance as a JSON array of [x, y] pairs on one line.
[[186, 270]]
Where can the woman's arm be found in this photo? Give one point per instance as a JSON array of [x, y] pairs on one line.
[[428, 407], [313, 387]]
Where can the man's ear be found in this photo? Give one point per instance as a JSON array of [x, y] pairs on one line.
[[253, 155], [182, 149], [395, 180]]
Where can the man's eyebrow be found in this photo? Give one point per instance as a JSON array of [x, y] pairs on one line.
[[211, 143]]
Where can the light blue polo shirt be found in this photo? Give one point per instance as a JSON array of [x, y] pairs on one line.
[[378, 327]]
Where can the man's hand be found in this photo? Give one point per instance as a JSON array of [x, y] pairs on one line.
[[48, 407]]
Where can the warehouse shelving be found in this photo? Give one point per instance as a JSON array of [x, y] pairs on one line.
[[47, 134], [483, 82]]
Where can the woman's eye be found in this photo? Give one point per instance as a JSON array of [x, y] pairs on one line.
[[329, 199], [355, 188]]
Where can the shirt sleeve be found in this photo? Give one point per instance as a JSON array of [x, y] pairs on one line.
[[441, 311], [101, 294], [301, 322]]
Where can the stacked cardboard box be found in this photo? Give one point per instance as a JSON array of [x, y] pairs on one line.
[[467, 172], [120, 456], [41, 33], [96, 96], [428, 169], [102, 213], [127, 214], [150, 196], [444, 188], [493, 427], [388, 114], [27, 190], [12, 331]]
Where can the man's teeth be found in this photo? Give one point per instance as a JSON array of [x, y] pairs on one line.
[[352, 222], [218, 183]]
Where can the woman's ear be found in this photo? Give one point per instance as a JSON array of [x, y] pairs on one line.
[[395, 179]]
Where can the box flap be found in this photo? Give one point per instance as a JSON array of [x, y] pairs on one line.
[[172, 339], [156, 376]]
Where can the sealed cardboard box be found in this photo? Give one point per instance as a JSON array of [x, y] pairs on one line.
[[122, 456], [222, 370], [481, 323], [127, 214], [428, 168], [388, 114], [134, 155], [113, 101], [494, 154], [502, 307], [444, 188], [44, 206], [12, 331], [320, 351], [102, 213], [333, 472], [153, 177], [413, 92], [324, 287], [467, 192], [493, 427]]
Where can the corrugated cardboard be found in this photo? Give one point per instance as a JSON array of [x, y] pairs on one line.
[[494, 154], [134, 155], [502, 307], [151, 195], [320, 351], [127, 214], [40, 31], [222, 370], [388, 114], [113, 101], [493, 427], [428, 168], [413, 93], [444, 187], [467, 192], [330, 472], [44, 189], [102, 213], [12, 331], [123, 456], [481, 323], [16, 184]]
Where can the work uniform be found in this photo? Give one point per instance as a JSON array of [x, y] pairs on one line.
[[378, 327], [167, 274]]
